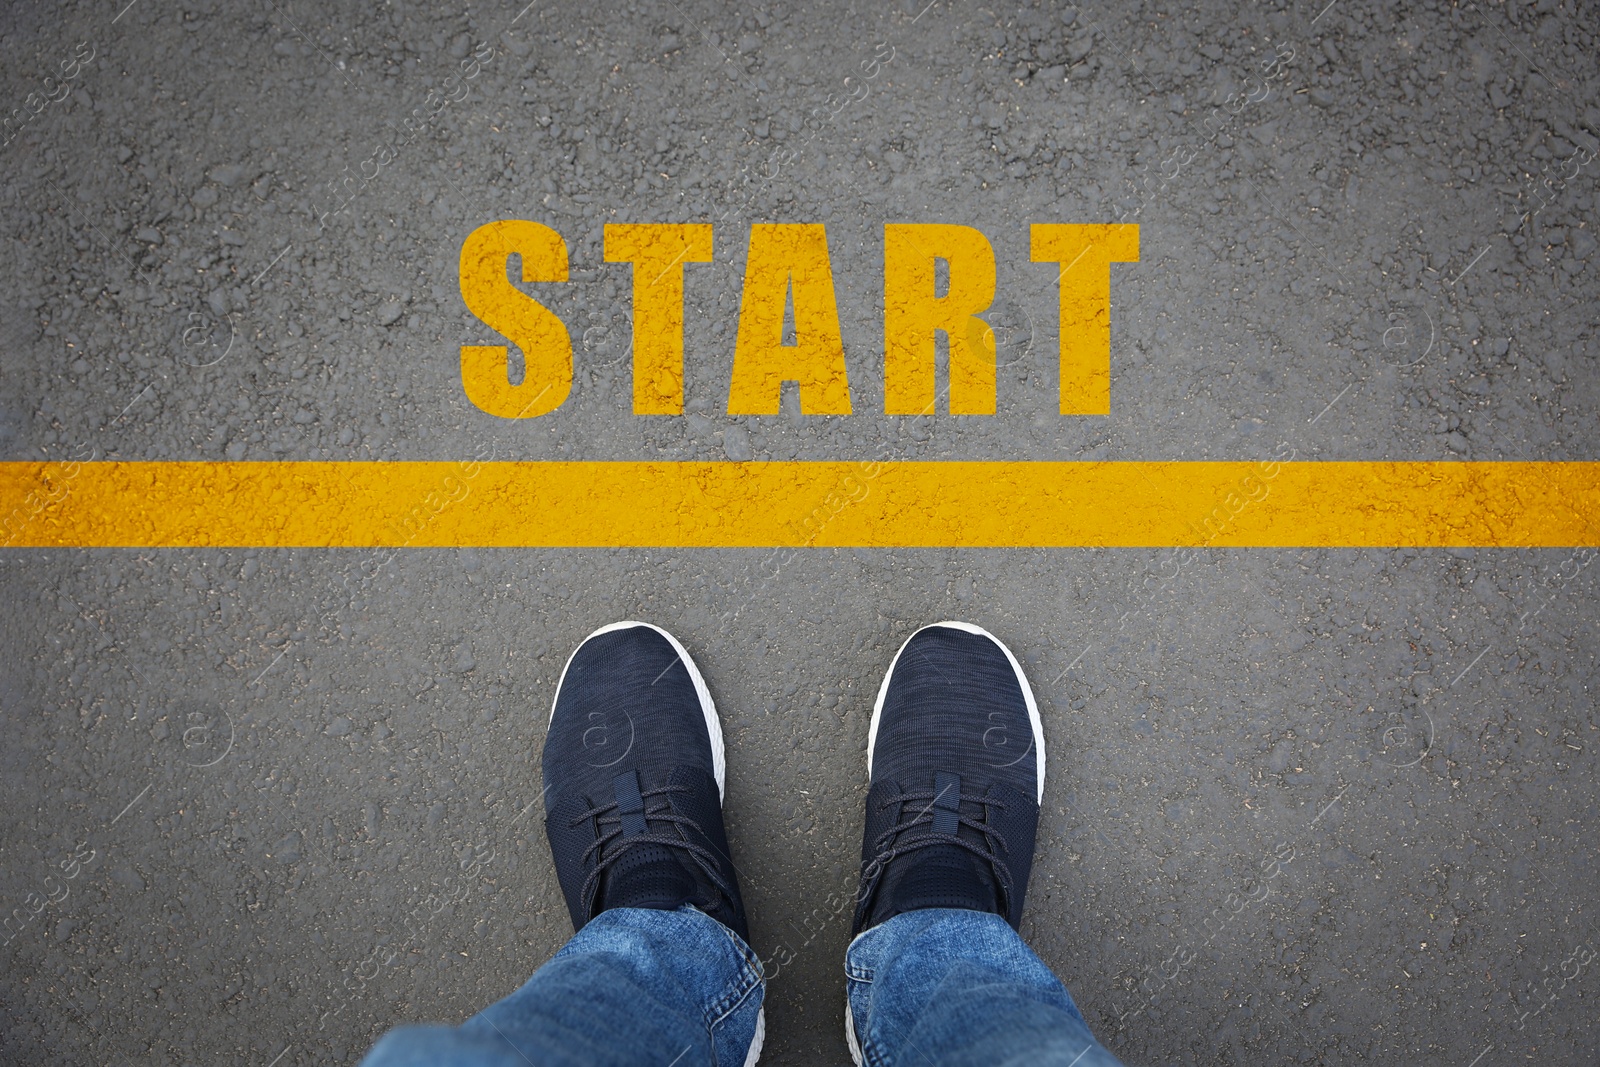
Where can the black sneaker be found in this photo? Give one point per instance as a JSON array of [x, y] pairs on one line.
[[955, 756], [633, 779]]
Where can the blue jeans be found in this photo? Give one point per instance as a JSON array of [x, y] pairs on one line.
[[960, 987], [677, 987]]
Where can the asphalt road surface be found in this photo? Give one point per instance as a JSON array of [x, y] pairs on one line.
[[1305, 806]]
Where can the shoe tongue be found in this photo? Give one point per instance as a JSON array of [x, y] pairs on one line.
[[648, 876], [936, 876]]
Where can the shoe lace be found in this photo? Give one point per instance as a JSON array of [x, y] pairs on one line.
[[610, 824], [891, 845]]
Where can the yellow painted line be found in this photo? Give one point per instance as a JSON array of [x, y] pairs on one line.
[[862, 504]]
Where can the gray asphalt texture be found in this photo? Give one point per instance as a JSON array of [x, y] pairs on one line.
[[1323, 806]]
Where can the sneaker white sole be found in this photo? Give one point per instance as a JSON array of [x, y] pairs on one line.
[[1022, 682], [760, 1039], [850, 1031], [713, 726]]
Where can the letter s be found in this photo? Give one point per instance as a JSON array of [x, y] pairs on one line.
[[488, 293]]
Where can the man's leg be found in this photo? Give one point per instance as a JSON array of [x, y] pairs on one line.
[[953, 986], [659, 969], [634, 986], [937, 973]]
